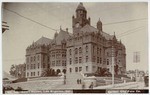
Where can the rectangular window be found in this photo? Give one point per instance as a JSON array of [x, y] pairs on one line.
[[97, 50], [34, 66], [97, 59], [87, 68], [76, 69], [107, 61], [70, 51], [86, 48], [104, 61], [34, 58], [38, 57], [31, 66], [38, 73], [70, 70], [76, 51], [38, 65], [53, 63], [65, 63], [100, 60], [80, 50], [70, 61], [76, 59], [80, 69], [86, 58], [57, 63], [31, 59], [107, 53], [80, 59], [93, 58]]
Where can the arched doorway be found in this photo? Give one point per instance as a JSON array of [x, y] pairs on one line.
[[64, 71], [58, 71]]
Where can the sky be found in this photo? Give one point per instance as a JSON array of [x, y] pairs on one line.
[[24, 27]]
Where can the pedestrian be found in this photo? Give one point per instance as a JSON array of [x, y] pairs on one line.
[[91, 86], [80, 81], [3, 90], [77, 81], [83, 85]]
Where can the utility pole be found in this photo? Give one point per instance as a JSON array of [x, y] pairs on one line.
[[113, 62], [136, 59]]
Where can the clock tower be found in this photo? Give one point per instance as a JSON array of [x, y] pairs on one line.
[[81, 18]]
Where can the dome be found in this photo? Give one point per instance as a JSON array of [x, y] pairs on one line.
[[80, 7]]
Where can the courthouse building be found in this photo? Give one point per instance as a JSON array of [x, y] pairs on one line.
[[87, 49]]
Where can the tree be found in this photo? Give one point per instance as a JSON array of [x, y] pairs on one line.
[[103, 71], [48, 72], [12, 70]]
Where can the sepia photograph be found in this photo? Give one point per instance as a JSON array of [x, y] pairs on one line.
[[74, 47]]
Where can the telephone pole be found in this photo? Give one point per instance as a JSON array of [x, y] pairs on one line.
[[113, 62]]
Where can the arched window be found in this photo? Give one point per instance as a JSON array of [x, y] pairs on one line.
[[80, 50], [76, 51]]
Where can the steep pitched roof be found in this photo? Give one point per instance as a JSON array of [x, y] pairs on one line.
[[43, 40], [107, 36], [88, 28], [62, 35], [80, 7]]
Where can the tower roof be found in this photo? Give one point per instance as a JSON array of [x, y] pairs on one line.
[[80, 7], [43, 40], [62, 35], [99, 21]]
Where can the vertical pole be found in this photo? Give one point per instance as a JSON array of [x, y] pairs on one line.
[[113, 61]]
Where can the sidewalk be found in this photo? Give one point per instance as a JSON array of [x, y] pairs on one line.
[[128, 85]]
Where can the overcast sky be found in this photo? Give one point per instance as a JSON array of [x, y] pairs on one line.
[[22, 32]]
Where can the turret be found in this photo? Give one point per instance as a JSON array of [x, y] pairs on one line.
[[99, 25], [81, 18], [81, 11]]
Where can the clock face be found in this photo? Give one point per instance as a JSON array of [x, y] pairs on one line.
[[77, 25]]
